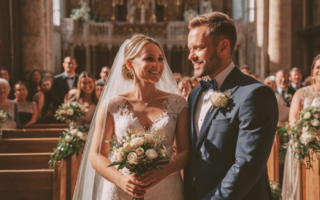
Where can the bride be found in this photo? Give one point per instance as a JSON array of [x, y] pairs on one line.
[[302, 99], [141, 95]]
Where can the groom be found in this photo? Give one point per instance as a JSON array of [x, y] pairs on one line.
[[230, 144]]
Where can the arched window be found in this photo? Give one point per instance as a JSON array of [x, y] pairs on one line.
[[56, 12]]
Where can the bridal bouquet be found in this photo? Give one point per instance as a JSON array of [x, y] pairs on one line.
[[70, 143], [304, 132], [71, 111]]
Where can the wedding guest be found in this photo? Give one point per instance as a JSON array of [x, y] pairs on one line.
[[9, 106], [99, 89], [194, 82], [303, 99], [86, 95], [63, 82], [282, 107], [177, 76], [5, 75], [103, 74], [282, 79], [307, 81], [295, 78], [44, 101], [34, 84], [27, 109], [185, 87]]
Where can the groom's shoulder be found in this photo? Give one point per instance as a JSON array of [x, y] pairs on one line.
[[250, 85]]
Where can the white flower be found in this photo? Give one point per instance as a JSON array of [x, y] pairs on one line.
[[151, 154], [70, 112], [307, 115], [139, 151], [62, 112], [315, 122], [2, 115], [274, 186], [137, 142], [68, 138], [127, 138], [133, 136], [81, 135], [117, 156], [306, 138], [316, 116], [65, 106], [74, 132], [127, 146], [150, 139], [305, 129], [218, 99], [162, 151], [132, 158]]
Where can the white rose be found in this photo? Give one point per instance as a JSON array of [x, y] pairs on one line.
[[74, 132], [2, 115], [133, 136], [151, 154], [126, 146], [70, 112], [306, 138], [127, 138], [117, 156], [62, 112], [81, 135], [137, 142], [305, 129], [150, 139], [274, 186], [162, 151], [217, 99], [307, 115], [68, 138], [316, 116], [139, 151], [132, 158], [315, 122]]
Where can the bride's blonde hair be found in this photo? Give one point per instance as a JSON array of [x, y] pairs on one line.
[[132, 49]]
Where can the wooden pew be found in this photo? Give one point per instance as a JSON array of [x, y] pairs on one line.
[[15, 161], [72, 174], [273, 161], [48, 184], [50, 126], [28, 145], [311, 179], [32, 133]]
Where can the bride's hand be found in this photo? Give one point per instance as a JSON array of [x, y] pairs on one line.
[[130, 185], [150, 178]]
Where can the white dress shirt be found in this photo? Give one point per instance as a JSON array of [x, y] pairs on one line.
[[70, 81], [279, 90], [204, 103]]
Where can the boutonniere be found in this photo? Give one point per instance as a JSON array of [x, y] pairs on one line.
[[288, 97], [220, 99]]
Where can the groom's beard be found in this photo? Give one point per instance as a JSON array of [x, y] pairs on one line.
[[209, 68]]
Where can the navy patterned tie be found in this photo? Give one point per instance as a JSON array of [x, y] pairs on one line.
[[208, 84]]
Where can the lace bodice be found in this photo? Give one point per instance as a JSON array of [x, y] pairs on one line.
[[165, 124], [309, 97], [170, 188]]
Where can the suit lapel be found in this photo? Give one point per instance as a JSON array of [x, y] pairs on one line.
[[194, 104], [229, 84]]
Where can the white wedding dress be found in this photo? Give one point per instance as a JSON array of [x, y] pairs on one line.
[[291, 177], [170, 188]]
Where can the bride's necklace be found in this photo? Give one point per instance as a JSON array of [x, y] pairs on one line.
[[147, 103]]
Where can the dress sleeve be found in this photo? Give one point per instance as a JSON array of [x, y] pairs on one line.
[[303, 92], [175, 105], [115, 104]]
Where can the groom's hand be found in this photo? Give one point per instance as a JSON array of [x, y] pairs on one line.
[[131, 185], [150, 178]]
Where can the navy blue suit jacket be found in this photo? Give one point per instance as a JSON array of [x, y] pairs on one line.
[[228, 159], [59, 89]]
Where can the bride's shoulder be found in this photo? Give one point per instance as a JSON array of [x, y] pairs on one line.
[[115, 103], [306, 91]]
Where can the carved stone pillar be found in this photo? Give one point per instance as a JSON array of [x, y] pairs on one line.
[[36, 35], [280, 27]]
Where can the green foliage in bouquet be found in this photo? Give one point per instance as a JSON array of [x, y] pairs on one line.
[[71, 111], [71, 142], [139, 152], [275, 190], [284, 133]]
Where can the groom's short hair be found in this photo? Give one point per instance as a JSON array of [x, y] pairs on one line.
[[219, 24]]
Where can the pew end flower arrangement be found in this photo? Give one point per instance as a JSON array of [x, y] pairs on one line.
[[3, 116], [304, 133], [72, 112], [275, 190], [138, 152], [70, 143]]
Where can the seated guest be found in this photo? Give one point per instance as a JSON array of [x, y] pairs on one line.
[[5, 75], [104, 75], [64, 82], [86, 95], [282, 79], [34, 84], [177, 76], [9, 106], [99, 89], [185, 87], [44, 101], [295, 78], [282, 108], [27, 109]]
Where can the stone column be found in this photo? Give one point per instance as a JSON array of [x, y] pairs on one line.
[[280, 35], [88, 58], [36, 35]]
